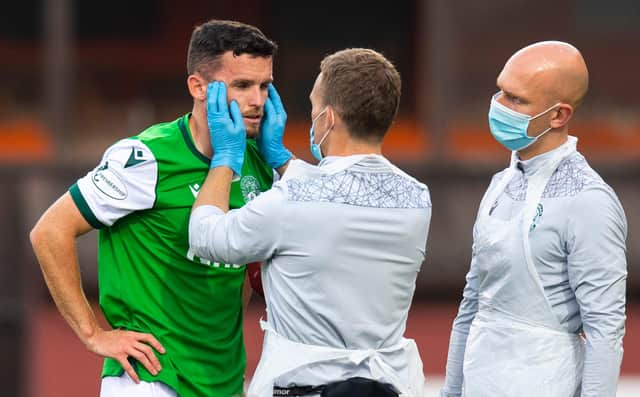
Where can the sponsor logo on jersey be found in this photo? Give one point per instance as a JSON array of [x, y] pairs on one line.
[[195, 189], [250, 187], [192, 257], [135, 158], [109, 183]]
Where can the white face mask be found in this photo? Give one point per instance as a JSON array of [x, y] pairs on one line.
[[316, 151]]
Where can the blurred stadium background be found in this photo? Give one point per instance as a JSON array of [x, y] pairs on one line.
[[75, 76]]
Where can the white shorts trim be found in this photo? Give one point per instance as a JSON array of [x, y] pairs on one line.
[[124, 386]]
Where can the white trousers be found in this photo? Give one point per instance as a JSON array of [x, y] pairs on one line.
[[124, 386]]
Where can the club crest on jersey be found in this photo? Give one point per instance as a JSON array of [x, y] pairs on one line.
[[109, 183], [536, 218], [250, 187]]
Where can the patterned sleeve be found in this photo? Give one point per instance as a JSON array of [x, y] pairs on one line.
[[597, 269], [123, 182]]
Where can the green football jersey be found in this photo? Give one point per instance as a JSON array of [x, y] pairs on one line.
[[140, 197]]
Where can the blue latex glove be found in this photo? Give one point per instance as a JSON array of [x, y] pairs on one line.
[[227, 132], [272, 130]]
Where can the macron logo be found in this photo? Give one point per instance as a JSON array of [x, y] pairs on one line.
[[195, 188], [136, 157]]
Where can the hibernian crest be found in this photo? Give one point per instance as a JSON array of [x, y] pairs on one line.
[[250, 187], [536, 218]]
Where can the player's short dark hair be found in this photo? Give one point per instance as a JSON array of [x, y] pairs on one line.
[[215, 37], [364, 88]]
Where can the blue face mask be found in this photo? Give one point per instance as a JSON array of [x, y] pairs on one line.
[[315, 147], [510, 127]]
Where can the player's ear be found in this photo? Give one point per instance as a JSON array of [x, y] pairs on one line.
[[197, 87]]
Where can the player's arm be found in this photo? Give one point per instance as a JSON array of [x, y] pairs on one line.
[[54, 242], [597, 270]]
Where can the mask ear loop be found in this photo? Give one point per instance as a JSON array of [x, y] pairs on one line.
[[544, 111], [545, 131], [313, 121], [326, 134]]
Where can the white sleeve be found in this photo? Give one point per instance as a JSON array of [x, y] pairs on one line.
[[249, 234], [124, 182], [459, 334], [597, 268]]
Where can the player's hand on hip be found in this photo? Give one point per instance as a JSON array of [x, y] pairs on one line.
[[226, 129], [120, 345], [272, 131]]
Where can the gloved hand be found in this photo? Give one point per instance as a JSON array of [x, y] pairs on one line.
[[272, 130], [227, 132]]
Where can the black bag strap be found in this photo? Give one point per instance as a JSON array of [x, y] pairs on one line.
[[354, 387], [297, 390]]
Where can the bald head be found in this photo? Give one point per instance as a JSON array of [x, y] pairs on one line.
[[551, 70]]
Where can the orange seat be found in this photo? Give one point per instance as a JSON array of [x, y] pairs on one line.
[[406, 142], [24, 140]]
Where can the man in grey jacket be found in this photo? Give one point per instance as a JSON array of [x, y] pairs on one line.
[[543, 309], [342, 241]]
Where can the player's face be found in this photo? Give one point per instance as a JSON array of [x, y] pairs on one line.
[[247, 78]]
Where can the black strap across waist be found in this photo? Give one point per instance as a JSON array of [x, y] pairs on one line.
[[352, 387], [297, 390]]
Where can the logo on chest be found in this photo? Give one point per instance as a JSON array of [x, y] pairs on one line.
[[250, 187], [536, 217], [194, 189]]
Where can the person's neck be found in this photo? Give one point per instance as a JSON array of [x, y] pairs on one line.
[[200, 133], [341, 144], [550, 141]]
